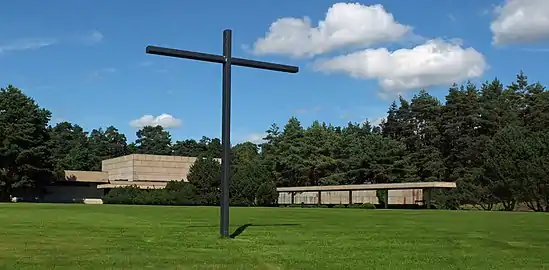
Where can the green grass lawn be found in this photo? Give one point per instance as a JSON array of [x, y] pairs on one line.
[[47, 236]]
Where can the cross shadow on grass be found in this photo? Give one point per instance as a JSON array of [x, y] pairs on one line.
[[242, 228]]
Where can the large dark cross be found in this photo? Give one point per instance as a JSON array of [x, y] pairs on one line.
[[227, 60]]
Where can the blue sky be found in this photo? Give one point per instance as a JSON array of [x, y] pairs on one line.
[[85, 60]]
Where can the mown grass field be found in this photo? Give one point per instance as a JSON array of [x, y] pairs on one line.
[[48, 236]]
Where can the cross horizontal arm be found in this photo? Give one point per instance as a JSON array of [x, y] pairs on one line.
[[263, 65], [185, 54], [219, 59]]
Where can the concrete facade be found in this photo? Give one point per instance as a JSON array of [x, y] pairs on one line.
[[400, 197], [72, 193], [409, 193], [329, 197], [148, 168], [406, 196]]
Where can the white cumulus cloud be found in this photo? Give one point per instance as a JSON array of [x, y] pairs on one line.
[[163, 120], [345, 25], [521, 21], [433, 63]]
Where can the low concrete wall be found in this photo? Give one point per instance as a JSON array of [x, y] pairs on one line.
[[403, 197], [93, 201], [329, 197]]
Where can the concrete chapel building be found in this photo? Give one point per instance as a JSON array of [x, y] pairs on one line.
[[155, 171], [143, 171]]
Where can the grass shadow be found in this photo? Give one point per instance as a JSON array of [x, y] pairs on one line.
[[239, 230], [242, 228]]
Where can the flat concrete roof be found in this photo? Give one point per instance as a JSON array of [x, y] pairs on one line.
[[139, 184], [410, 185], [149, 157], [85, 176]]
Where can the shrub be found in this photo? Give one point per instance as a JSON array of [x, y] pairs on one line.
[[124, 195], [175, 193], [363, 206], [180, 193], [368, 206], [152, 197]]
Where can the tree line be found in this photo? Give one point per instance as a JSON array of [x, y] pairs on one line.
[[491, 139]]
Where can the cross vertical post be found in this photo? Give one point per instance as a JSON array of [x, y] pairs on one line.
[[228, 61], [226, 134]]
